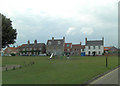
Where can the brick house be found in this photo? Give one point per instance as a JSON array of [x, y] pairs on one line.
[[68, 48], [10, 50], [94, 47], [55, 46], [77, 49], [18, 49], [111, 50], [32, 49]]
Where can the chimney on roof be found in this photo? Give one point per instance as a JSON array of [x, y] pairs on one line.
[[80, 43], [86, 40], [52, 38], [103, 40], [35, 42], [64, 39], [28, 42]]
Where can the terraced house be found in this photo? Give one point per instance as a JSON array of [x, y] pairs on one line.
[[32, 49]]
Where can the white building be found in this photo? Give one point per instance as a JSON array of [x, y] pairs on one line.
[[94, 47]]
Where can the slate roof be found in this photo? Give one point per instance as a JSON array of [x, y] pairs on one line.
[[110, 48], [95, 43], [78, 46], [33, 45], [56, 42]]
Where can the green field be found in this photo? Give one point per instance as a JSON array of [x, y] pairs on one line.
[[76, 70]]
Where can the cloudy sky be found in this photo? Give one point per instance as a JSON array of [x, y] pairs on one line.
[[74, 19]]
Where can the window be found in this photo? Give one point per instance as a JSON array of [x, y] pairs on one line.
[[59, 42], [68, 49], [94, 47], [27, 49], [68, 45], [99, 52], [99, 47], [82, 49], [30, 48], [89, 47], [23, 49]]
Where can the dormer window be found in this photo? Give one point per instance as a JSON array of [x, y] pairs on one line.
[[59, 42]]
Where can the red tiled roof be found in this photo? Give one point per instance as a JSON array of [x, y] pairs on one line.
[[107, 48], [11, 48]]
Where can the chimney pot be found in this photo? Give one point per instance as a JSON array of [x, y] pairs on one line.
[[80, 43], [86, 40], [28, 42], [52, 38], [35, 42]]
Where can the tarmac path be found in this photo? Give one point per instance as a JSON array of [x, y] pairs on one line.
[[109, 78]]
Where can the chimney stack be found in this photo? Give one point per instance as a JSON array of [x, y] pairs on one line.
[[103, 40], [28, 42], [86, 41], [52, 38], [35, 42], [80, 43], [64, 39]]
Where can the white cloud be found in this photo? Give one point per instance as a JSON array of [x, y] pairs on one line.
[[34, 15], [71, 31], [86, 30]]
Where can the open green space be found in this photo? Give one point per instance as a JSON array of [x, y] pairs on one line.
[[75, 70]]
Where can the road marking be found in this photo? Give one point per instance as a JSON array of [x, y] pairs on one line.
[[102, 76]]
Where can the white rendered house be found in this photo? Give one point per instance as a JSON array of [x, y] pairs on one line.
[[94, 47]]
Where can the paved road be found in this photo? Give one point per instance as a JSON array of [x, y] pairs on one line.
[[109, 78]]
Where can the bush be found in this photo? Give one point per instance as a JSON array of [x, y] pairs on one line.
[[12, 54]]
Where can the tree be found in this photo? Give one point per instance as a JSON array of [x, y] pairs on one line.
[[8, 33]]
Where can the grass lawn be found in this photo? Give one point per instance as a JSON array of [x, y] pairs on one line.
[[76, 70]]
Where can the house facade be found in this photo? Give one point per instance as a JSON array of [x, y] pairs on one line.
[[94, 47], [32, 49], [77, 49], [55, 46], [111, 50], [67, 48], [10, 50]]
